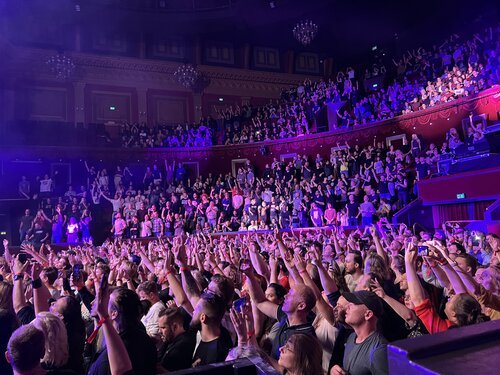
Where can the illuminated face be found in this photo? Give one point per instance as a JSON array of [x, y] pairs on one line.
[[355, 314], [291, 302], [271, 296], [350, 266], [287, 356]]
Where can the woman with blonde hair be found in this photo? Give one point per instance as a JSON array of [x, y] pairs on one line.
[[56, 340]]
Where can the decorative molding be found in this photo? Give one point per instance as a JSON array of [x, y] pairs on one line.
[[137, 66]]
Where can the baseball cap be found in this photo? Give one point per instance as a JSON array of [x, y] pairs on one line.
[[367, 298]]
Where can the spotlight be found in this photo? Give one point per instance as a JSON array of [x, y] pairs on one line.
[[272, 4]]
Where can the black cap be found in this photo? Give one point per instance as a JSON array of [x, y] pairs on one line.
[[367, 298]]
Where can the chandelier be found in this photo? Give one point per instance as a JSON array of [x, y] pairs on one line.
[[186, 75], [61, 66], [305, 32]]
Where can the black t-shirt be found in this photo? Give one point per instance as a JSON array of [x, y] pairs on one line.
[[286, 331], [26, 314], [352, 209], [338, 350], [141, 213], [26, 222], [39, 235], [178, 354], [141, 350], [134, 230], [213, 351]]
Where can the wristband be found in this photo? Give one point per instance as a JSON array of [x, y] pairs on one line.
[[183, 269], [99, 325], [36, 284], [303, 271], [18, 277], [250, 334], [168, 273], [102, 320]]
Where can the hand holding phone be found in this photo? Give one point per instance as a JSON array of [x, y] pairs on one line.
[[423, 250]]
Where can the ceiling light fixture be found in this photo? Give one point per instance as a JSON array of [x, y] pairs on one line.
[[186, 75], [61, 66], [305, 32]]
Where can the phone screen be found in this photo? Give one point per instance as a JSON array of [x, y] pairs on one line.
[[423, 250], [239, 303]]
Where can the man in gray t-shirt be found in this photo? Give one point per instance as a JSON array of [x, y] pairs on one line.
[[365, 349]]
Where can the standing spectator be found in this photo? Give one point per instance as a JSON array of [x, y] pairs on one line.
[[330, 215], [119, 226], [211, 214], [366, 209], [25, 225], [124, 309], [25, 350], [73, 230], [301, 355], [214, 340], [352, 211], [46, 186], [149, 291], [366, 348], [179, 344], [316, 214], [24, 188]]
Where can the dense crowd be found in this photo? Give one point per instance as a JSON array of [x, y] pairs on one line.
[[188, 135], [299, 302], [422, 79], [352, 186]]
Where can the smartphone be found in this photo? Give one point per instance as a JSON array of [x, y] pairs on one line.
[[239, 303], [23, 258], [77, 268], [423, 250]]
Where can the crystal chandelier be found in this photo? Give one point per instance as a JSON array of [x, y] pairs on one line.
[[61, 66], [305, 32], [186, 75]]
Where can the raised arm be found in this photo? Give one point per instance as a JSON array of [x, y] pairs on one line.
[[415, 288], [41, 294], [18, 297], [119, 360], [257, 294]]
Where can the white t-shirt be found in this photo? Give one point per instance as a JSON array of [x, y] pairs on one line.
[[45, 185]]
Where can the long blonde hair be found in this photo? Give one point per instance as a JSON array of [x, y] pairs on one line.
[[56, 339]]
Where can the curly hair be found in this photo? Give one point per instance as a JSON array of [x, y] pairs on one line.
[[56, 339]]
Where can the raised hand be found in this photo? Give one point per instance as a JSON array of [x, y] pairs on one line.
[[239, 324], [19, 268], [247, 268], [299, 262], [377, 288]]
